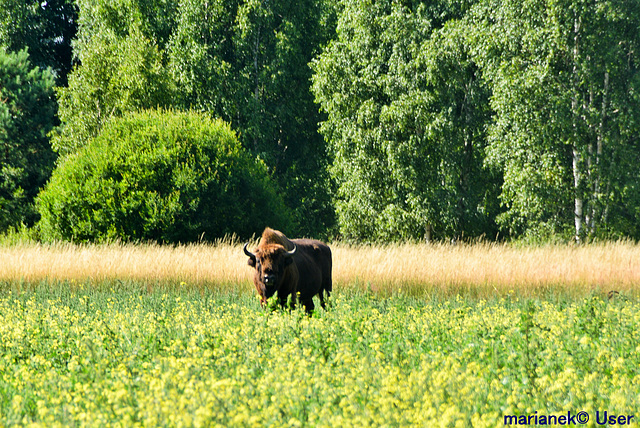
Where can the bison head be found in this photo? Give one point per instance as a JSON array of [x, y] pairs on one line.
[[270, 262]]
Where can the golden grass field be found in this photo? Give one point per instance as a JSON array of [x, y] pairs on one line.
[[482, 270]]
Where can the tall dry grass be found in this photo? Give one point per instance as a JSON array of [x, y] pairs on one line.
[[492, 269], [478, 270], [196, 265]]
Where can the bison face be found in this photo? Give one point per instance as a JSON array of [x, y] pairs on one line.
[[270, 263]]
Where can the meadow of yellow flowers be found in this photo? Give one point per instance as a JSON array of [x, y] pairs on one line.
[[120, 355]]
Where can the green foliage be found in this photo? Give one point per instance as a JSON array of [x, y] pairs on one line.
[[245, 62], [435, 108], [121, 71], [162, 176], [200, 54], [406, 117], [118, 354], [564, 87], [19, 235], [27, 114], [44, 28], [438, 119], [275, 41]]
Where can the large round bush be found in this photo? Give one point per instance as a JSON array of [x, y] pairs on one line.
[[164, 176]]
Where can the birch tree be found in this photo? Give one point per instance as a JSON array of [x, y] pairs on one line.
[[564, 86], [406, 113]]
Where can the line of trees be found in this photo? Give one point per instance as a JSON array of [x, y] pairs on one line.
[[377, 120]]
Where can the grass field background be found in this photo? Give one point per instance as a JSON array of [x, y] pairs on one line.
[[480, 270], [415, 335]]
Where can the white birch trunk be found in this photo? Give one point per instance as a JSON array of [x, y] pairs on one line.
[[577, 211]]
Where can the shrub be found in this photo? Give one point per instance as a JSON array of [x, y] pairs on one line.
[[162, 176]]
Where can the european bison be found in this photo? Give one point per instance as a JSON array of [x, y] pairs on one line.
[[300, 268]]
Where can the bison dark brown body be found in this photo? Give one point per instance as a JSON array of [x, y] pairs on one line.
[[300, 268]]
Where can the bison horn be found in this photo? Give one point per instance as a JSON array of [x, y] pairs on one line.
[[247, 252], [292, 252]]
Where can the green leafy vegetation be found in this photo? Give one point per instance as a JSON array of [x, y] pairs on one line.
[[43, 28], [377, 121], [107, 355], [244, 62], [407, 113], [460, 118], [27, 114], [385, 122], [162, 176], [564, 79]]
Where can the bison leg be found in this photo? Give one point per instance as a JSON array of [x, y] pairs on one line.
[[283, 301], [287, 298], [321, 296], [294, 300], [308, 305]]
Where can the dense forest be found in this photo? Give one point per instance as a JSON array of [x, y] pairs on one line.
[[181, 120]]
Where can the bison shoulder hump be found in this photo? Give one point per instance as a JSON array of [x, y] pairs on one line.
[[270, 236]]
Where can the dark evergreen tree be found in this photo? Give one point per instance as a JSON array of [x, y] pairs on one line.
[[27, 114], [45, 28]]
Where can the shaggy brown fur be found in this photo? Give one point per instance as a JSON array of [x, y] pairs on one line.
[[270, 236], [300, 268]]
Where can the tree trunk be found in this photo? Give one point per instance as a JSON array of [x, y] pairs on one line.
[[576, 161], [577, 212], [428, 233]]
